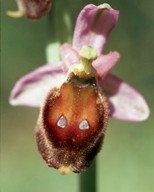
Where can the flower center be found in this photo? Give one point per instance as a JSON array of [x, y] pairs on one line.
[[84, 69]]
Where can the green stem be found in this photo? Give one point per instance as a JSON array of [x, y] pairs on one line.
[[88, 179], [60, 22]]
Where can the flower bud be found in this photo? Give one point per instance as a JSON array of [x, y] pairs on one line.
[[32, 9]]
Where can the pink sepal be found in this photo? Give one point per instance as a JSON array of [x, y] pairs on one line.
[[32, 88], [93, 26], [125, 102]]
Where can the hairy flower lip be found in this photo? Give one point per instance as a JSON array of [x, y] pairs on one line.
[[64, 140]]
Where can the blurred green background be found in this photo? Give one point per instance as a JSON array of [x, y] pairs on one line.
[[126, 163]]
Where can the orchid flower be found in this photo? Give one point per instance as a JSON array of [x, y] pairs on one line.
[[32, 9], [78, 94]]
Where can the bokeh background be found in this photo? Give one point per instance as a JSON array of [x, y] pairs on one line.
[[126, 163]]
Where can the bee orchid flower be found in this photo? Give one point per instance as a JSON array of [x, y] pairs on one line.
[[78, 94]]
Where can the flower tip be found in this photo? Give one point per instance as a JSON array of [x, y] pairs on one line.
[[15, 101], [116, 54], [65, 170], [141, 111], [105, 6], [145, 113], [15, 14], [114, 12], [11, 102]]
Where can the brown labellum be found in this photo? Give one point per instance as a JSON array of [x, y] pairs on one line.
[[71, 125]]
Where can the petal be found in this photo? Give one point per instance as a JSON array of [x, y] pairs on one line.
[[125, 102], [32, 9], [104, 63], [32, 88], [93, 26], [69, 56]]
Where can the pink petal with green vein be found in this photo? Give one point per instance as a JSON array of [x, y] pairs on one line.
[[125, 102], [32, 88], [93, 26]]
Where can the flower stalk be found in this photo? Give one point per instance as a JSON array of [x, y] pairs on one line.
[[87, 180], [60, 24]]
